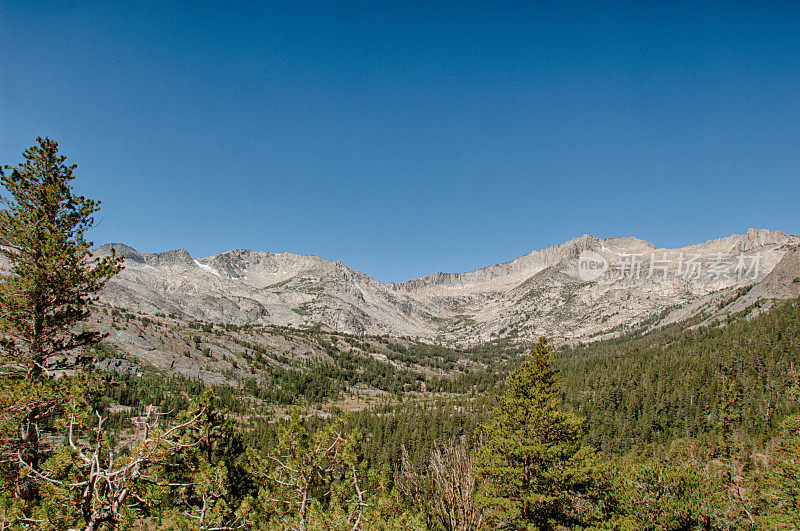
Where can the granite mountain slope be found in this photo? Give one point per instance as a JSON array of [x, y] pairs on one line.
[[540, 293]]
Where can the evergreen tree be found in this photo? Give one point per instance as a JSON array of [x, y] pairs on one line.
[[51, 277], [44, 295], [533, 470]]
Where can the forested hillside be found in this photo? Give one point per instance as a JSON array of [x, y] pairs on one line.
[[673, 383]]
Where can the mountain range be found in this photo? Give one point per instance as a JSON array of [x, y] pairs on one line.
[[584, 289]]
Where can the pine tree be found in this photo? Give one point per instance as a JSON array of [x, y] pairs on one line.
[[51, 277], [533, 470], [45, 290]]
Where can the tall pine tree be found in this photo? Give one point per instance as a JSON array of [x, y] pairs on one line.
[[51, 276], [534, 472], [47, 281]]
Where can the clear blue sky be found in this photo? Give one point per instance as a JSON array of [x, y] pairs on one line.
[[406, 138]]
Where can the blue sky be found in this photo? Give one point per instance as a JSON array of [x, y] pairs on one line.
[[406, 138]]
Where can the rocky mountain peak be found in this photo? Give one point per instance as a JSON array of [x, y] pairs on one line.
[[576, 246], [760, 237]]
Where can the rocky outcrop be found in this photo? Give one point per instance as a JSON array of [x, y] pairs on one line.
[[130, 254]]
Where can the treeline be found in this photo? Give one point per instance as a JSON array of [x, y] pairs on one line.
[[340, 363], [304, 383]]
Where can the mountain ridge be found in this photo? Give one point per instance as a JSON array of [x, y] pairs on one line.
[[538, 293]]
